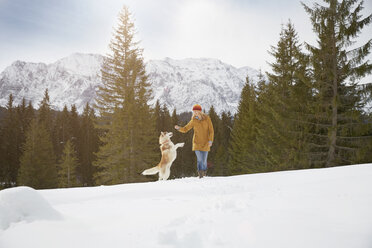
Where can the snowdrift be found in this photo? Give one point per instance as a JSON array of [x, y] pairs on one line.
[[322, 208], [24, 204]]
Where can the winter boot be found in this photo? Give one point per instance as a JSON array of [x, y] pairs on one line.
[[200, 174]]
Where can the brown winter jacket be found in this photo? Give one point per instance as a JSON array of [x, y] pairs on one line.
[[203, 133]]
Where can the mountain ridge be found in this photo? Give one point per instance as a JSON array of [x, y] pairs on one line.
[[176, 83]]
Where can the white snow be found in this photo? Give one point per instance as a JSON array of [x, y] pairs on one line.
[[24, 204], [182, 83], [70, 80], [177, 83], [322, 208]]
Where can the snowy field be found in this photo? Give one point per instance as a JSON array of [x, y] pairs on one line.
[[322, 208]]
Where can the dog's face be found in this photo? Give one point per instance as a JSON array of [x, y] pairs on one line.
[[165, 136]]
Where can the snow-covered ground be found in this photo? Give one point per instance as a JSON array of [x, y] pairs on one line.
[[309, 208]]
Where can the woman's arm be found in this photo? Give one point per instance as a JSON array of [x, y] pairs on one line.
[[210, 131], [186, 128]]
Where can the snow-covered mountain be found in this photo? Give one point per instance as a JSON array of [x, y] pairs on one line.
[[71, 80], [177, 83], [182, 83]]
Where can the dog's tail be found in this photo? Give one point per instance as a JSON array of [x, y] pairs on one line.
[[151, 171]]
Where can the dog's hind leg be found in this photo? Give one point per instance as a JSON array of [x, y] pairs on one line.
[[161, 175], [166, 174]]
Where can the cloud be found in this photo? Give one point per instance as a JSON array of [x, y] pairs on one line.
[[239, 32]]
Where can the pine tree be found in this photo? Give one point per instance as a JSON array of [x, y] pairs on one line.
[[175, 121], [2, 155], [263, 115], [243, 135], [222, 156], [143, 138], [129, 137], [89, 146], [177, 166], [281, 135], [13, 137], [217, 139], [23, 120], [45, 112], [10, 145], [67, 167], [337, 68], [186, 159], [30, 115], [74, 131], [38, 168], [158, 118], [364, 154], [165, 119], [61, 130], [74, 126], [162, 118], [38, 162]]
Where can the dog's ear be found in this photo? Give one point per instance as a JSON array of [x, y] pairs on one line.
[[162, 133]]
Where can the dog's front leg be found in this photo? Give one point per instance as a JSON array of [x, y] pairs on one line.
[[179, 145]]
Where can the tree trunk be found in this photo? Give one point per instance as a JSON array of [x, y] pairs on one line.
[[333, 135]]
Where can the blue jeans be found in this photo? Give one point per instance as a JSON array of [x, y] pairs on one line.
[[202, 160]]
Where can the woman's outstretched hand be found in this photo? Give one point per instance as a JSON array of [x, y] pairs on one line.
[[177, 127]]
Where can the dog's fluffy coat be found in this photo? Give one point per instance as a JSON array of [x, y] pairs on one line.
[[168, 155]]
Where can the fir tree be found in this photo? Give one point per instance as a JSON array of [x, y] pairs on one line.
[[67, 167], [61, 130], [222, 156], [23, 119], [89, 146], [162, 118], [186, 159], [10, 145], [74, 126], [30, 115], [38, 168], [176, 170], [158, 118], [2, 155], [217, 139], [166, 123], [174, 121], [243, 135], [284, 106], [129, 136], [74, 131], [13, 127], [45, 112], [337, 68]]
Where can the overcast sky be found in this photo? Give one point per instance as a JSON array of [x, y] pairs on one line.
[[238, 32]]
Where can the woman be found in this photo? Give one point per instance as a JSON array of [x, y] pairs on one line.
[[203, 137]]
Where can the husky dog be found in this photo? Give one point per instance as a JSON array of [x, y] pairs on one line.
[[168, 155]]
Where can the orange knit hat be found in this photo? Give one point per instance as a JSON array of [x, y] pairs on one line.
[[197, 107]]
